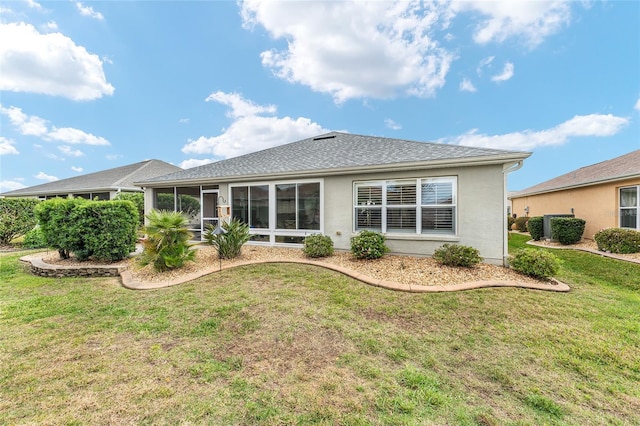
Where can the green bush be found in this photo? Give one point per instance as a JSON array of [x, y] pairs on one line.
[[521, 223], [104, 230], [536, 227], [535, 263], [567, 230], [618, 240], [457, 255], [229, 244], [318, 245], [368, 245], [17, 217], [510, 221], [167, 243], [137, 198], [34, 239]]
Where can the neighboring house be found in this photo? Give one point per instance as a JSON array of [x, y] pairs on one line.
[[420, 195], [102, 185], [605, 195]]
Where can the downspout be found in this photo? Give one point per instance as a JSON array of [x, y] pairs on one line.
[[505, 238]]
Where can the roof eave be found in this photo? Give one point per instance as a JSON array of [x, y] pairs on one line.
[[434, 164], [580, 185]]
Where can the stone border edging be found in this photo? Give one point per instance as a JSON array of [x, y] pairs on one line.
[[588, 250], [58, 271], [127, 280]]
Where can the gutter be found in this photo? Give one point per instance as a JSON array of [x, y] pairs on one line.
[[505, 239]]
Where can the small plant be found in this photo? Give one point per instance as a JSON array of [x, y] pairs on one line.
[[536, 227], [318, 245], [368, 245], [230, 242], [521, 223], [535, 263], [510, 221], [167, 244], [618, 240], [457, 255], [34, 239]]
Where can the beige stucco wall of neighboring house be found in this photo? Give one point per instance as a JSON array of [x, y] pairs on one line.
[[596, 204], [480, 211]]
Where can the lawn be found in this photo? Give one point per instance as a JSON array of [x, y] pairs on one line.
[[294, 344]]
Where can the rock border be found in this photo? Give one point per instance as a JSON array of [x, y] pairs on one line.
[[588, 250]]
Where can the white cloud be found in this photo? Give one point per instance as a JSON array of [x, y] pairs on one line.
[[75, 136], [184, 121], [44, 176], [467, 86], [249, 132], [88, 11], [594, 125], [6, 146], [355, 49], [530, 21], [485, 62], [506, 74], [392, 124], [193, 162], [26, 125], [10, 185], [69, 152], [77, 169], [31, 125], [33, 4], [51, 25], [50, 64], [637, 105]]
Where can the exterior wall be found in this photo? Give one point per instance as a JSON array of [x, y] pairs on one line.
[[480, 212], [596, 204]]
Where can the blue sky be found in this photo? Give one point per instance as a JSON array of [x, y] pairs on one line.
[[87, 86]]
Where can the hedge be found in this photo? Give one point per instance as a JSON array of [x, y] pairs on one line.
[[567, 230], [17, 217], [536, 227], [618, 240]]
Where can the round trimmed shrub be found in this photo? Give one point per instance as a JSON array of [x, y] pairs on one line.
[[34, 239], [521, 223], [618, 240], [536, 227], [567, 230], [368, 245], [318, 245], [535, 263], [510, 221], [457, 255]]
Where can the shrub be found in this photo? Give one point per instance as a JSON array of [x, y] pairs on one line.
[[567, 230], [17, 217], [536, 227], [229, 244], [510, 221], [104, 230], [318, 245], [368, 245], [137, 198], [457, 255], [618, 240], [34, 239], [167, 243], [535, 263], [521, 223]]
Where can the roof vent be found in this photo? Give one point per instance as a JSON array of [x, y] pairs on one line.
[[320, 138]]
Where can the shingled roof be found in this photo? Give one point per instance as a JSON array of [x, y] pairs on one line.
[[334, 153], [119, 178], [623, 167]]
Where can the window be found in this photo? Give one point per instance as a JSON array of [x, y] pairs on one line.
[[251, 205], [629, 207], [298, 206], [422, 206]]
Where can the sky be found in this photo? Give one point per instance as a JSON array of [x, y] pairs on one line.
[[88, 86]]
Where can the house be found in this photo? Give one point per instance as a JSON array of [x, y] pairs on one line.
[[419, 195], [605, 195], [102, 185]]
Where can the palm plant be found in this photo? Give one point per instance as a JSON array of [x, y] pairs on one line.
[[229, 243], [167, 244]]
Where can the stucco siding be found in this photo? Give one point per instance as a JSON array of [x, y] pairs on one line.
[[596, 204]]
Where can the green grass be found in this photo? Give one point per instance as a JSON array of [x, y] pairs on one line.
[[293, 344]]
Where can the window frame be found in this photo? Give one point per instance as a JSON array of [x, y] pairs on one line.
[[415, 204], [635, 208]]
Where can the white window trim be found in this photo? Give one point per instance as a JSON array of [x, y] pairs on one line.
[[418, 206], [636, 208]]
